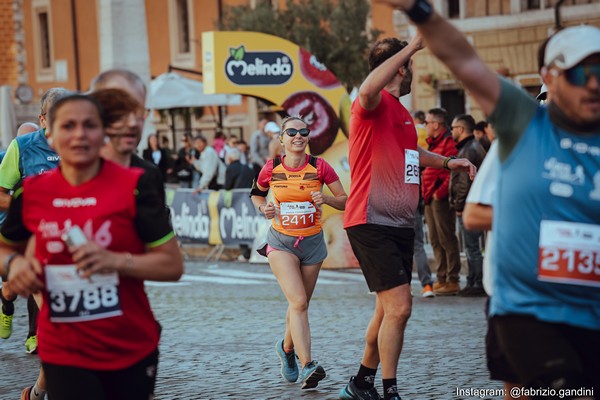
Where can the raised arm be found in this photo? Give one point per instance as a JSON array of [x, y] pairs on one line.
[[369, 94], [452, 48]]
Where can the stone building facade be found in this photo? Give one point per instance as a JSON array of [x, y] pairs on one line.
[[48, 43]]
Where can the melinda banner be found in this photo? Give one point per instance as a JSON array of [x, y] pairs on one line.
[[209, 217], [279, 71], [229, 218]]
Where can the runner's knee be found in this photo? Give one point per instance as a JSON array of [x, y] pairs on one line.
[[298, 304], [400, 313]]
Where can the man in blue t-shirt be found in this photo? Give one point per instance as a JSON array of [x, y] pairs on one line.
[[546, 303]]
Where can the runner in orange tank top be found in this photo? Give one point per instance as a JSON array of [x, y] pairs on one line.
[[295, 245]]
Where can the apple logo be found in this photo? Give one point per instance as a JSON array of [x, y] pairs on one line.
[[321, 118], [316, 72]]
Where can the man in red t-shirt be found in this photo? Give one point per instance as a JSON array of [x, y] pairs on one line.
[[380, 212]]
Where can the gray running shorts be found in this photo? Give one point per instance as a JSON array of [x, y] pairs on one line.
[[310, 250]]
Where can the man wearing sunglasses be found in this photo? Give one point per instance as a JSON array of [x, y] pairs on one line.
[[546, 303]]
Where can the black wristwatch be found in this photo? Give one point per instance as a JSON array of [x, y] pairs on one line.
[[420, 12]]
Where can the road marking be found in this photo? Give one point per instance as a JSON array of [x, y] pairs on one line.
[[224, 280], [221, 276], [345, 275], [242, 274], [235, 273]]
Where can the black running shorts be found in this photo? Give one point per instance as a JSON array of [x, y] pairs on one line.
[[497, 363], [136, 382], [545, 354], [385, 254]]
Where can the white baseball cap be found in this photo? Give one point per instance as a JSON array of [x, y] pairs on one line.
[[570, 46], [272, 127]]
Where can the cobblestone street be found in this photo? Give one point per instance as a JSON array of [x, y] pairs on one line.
[[221, 321]]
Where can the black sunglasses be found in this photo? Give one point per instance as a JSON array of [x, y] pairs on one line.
[[579, 75], [293, 132]]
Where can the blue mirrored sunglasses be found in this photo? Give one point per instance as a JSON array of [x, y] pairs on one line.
[[293, 132], [579, 75]]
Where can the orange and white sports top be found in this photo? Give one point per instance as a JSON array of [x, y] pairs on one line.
[[296, 214]]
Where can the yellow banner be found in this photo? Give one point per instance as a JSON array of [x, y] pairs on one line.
[[280, 72], [274, 69]]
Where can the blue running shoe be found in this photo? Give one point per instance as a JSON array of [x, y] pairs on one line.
[[351, 392], [311, 374], [289, 368]]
